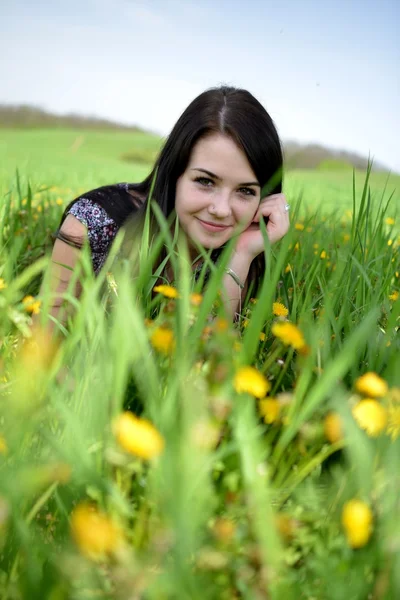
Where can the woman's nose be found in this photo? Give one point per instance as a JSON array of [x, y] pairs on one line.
[[220, 206]]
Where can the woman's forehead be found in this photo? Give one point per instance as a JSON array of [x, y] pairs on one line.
[[220, 155]]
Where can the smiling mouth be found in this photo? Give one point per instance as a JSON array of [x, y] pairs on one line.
[[213, 226]]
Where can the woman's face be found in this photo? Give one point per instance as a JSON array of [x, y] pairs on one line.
[[218, 194]]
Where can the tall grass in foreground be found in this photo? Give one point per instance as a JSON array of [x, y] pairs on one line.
[[279, 481]]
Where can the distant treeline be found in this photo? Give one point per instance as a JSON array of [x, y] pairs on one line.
[[297, 156], [26, 116]]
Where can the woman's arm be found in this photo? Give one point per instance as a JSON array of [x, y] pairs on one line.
[[233, 292], [63, 261]]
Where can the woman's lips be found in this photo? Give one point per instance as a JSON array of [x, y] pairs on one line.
[[212, 226]]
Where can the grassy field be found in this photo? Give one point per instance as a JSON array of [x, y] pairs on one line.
[[262, 460], [77, 160]]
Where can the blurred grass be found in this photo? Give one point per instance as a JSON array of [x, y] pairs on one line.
[[236, 506]]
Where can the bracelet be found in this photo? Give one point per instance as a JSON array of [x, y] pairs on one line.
[[235, 277]]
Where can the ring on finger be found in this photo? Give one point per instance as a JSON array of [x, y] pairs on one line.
[[287, 207]]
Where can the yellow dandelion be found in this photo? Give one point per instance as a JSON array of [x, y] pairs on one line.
[[221, 325], [288, 268], [389, 221], [370, 416], [390, 242], [196, 299], [297, 246], [138, 436], [371, 385], [59, 201], [262, 336], [323, 254], [270, 409], [394, 296], [249, 380], [224, 529], [357, 521], [279, 309], [3, 445], [3, 284], [333, 427], [289, 334], [162, 339], [299, 226], [95, 534], [31, 305], [166, 290]]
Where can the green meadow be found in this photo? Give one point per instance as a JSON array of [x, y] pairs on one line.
[[152, 449]]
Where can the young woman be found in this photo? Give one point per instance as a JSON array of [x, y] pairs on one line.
[[220, 171]]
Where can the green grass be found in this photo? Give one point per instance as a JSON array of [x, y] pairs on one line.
[[235, 506], [80, 160]]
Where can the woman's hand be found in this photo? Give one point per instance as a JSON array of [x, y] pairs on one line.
[[250, 242]]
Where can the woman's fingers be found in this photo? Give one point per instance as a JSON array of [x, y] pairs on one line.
[[272, 207]]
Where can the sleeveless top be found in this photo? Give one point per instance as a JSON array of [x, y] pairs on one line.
[[101, 220]]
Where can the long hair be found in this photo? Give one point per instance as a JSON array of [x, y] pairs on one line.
[[226, 110]]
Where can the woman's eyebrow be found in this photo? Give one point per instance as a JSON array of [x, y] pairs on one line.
[[214, 176]]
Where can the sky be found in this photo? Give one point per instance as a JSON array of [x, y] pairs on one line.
[[327, 71]]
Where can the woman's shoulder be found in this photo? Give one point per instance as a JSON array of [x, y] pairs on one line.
[[109, 203]]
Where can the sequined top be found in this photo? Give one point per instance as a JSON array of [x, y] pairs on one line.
[[101, 229], [102, 211]]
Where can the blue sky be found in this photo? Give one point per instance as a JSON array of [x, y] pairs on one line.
[[327, 71]]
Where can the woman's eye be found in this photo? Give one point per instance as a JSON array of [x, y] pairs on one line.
[[205, 181], [247, 191]]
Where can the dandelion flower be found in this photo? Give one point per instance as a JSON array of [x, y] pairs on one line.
[[166, 290], [3, 284], [95, 534], [289, 334], [394, 296], [162, 339], [59, 201], [270, 409], [357, 521], [371, 385], [279, 309], [333, 427], [221, 325], [370, 416], [288, 268], [3, 446], [138, 436], [323, 254], [196, 299], [389, 221], [262, 337], [299, 226], [249, 380], [31, 305]]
